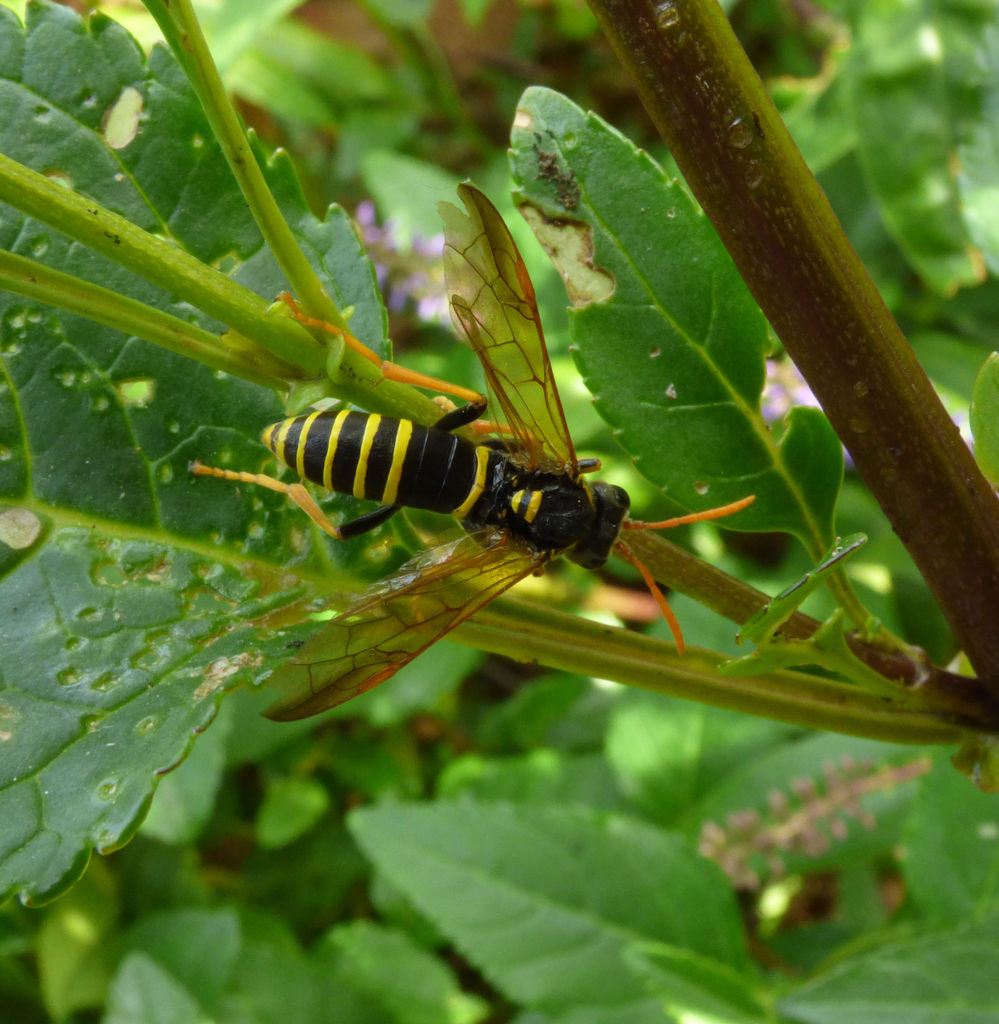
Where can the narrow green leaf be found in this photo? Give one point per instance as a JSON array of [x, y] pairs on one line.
[[985, 418], [401, 13], [532, 915], [669, 340], [762, 626]]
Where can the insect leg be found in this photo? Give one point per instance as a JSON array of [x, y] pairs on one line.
[[362, 524], [389, 370], [462, 416], [297, 492]]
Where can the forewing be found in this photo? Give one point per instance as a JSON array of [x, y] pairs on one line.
[[493, 304], [396, 620]]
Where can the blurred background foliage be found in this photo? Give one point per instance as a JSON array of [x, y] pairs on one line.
[[528, 844]]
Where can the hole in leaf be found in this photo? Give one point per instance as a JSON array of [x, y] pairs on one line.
[[137, 393], [121, 120]]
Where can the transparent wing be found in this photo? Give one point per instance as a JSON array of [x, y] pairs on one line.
[[396, 620], [493, 304]]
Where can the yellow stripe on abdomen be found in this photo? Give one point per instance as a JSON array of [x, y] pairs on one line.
[[370, 428], [303, 436], [481, 465], [331, 446], [399, 452]]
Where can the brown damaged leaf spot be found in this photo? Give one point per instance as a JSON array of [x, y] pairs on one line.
[[219, 671], [569, 244]]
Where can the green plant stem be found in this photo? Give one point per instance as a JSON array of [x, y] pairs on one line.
[[521, 630], [262, 343], [934, 687], [161, 263], [36, 281], [739, 160], [180, 28]]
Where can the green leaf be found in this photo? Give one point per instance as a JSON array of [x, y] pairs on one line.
[[133, 594], [232, 27], [913, 75], [762, 626], [143, 990], [198, 948], [72, 947], [693, 987], [542, 776], [667, 752], [985, 418], [940, 976], [287, 72], [952, 848], [383, 975], [533, 914], [669, 340], [407, 192], [978, 177], [274, 976], [290, 808], [185, 797], [401, 13]]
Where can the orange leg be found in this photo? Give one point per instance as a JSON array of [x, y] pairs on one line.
[[389, 370], [297, 492]]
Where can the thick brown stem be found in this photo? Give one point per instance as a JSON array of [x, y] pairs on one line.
[[712, 110]]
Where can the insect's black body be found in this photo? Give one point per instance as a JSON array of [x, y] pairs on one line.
[[524, 500], [398, 462]]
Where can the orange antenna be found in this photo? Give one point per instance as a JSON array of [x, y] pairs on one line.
[[660, 598], [694, 517], [664, 524]]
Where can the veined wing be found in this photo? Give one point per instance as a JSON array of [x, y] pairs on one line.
[[492, 301], [396, 620]]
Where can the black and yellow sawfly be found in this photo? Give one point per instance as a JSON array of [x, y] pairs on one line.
[[522, 498]]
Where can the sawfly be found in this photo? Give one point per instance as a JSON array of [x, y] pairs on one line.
[[523, 497]]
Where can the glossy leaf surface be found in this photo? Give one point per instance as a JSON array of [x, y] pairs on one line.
[[127, 598], [668, 338]]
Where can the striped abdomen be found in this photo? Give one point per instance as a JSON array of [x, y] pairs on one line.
[[393, 462]]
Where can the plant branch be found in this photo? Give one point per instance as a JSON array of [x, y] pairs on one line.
[[44, 284], [520, 629], [738, 158], [180, 28], [933, 687], [160, 263]]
